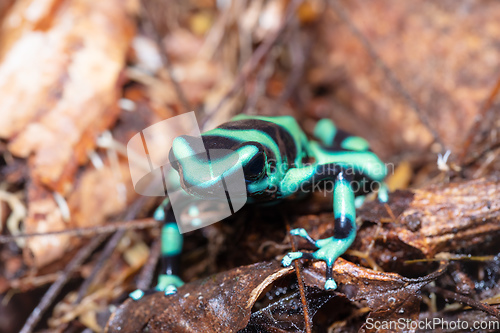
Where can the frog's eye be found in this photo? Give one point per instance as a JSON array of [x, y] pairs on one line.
[[255, 167]]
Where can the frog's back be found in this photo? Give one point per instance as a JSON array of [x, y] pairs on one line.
[[282, 137]]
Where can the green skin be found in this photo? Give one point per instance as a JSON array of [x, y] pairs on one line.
[[273, 152]]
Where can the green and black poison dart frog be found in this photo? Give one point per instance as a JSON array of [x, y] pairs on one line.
[[279, 161]]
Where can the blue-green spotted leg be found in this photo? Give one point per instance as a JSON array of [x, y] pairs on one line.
[[329, 249], [171, 246]]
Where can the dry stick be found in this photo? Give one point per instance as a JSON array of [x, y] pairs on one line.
[[108, 250], [148, 270], [339, 10], [475, 127], [466, 300], [164, 57], [105, 229], [254, 61], [56, 287], [300, 281], [103, 257]]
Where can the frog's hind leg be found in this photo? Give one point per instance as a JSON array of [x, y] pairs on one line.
[[345, 227], [329, 249], [325, 131]]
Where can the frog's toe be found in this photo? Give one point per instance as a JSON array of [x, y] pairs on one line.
[[168, 284], [330, 284], [291, 256], [136, 294], [170, 290], [383, 193], [298, 232], [359, 201]]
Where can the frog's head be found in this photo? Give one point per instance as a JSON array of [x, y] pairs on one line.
[[207, 165]]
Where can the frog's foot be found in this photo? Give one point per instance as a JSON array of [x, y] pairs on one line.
[[137, 294], [359, 201], [329, 250], [290, 257], [303, 233], [383, 193], [330, 284], [169, 290], [168, 284], [382, 196]]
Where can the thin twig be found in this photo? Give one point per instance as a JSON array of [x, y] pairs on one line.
[[103, 257], [105, 229], [110, 247], [148, 270], [395, 82], [465, 300], [56, 287], [300, 281]]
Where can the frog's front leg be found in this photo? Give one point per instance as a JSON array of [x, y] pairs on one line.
[[331, 248], [171, 246]]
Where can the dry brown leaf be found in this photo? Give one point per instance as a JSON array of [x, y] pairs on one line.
[[208, 305], [59, 74], [444, 53], [100, 194]]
